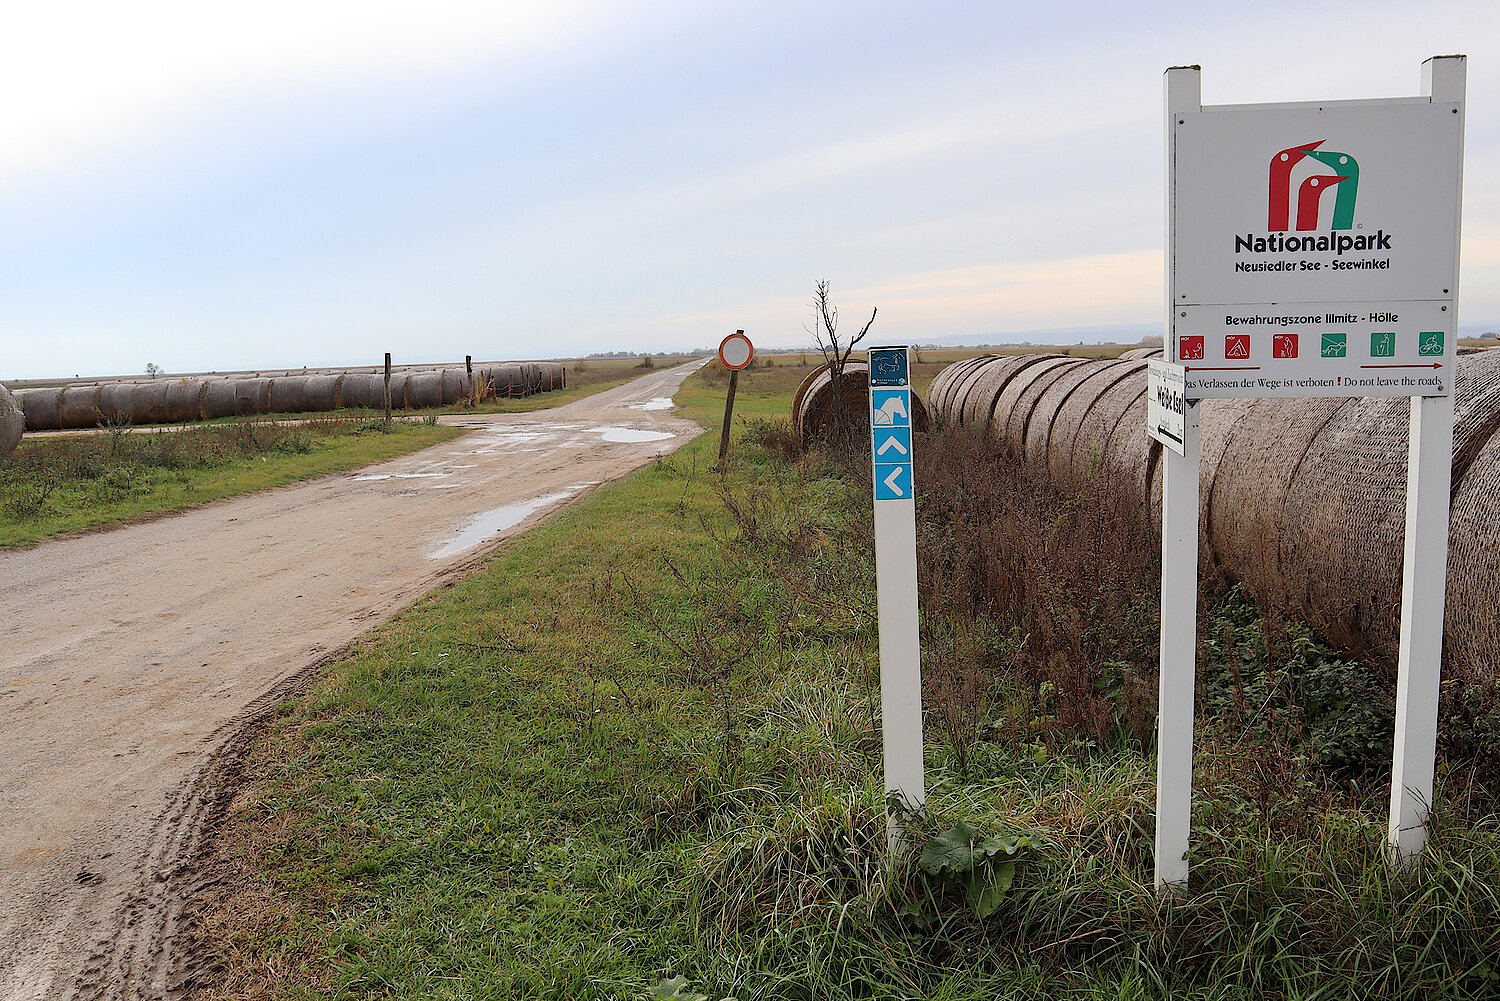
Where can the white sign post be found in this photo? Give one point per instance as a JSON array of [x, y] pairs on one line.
[[1312, 250], [896, 578]]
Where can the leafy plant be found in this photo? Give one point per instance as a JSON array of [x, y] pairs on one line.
[[983, 866], [677, 987]]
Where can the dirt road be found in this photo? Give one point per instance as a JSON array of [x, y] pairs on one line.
[[128, 658]]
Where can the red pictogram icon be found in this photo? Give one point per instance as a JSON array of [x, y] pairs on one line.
[[1284, 346], [1237, 346], [1191, 348]]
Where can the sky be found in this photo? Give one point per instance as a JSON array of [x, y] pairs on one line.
[[276, 184]]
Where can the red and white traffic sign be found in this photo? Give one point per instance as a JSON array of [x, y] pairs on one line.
[[736, 351]]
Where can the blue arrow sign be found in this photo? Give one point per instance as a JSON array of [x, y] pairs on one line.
[[893, 481]]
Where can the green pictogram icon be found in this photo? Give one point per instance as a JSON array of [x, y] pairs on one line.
[[1430, 342], [1335, 345], [1383, 345]]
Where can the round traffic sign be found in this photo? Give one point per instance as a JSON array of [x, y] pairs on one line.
[[736, 351]]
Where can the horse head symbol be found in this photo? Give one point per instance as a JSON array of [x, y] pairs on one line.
[[888, 410]]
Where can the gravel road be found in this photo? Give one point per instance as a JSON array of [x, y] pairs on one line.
[[129, 658]]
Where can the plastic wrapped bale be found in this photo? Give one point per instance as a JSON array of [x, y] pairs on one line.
[[400, 382], [39, 408], [185, 400], [512, 380], [252, 396], [1471, 627], [456, 387], [78, 407], [1073, 422], [288, 394], [1050, 404], [148, 402], [12, 422], [320, 393], [114, 403], [218, 399], [1029, 387], [424, 390], [359, 389], [1246, 501]]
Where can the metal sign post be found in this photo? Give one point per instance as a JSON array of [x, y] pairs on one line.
[[896, 578], [1312, 251], [735, 352]]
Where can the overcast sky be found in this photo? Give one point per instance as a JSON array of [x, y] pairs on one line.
[[215, 186]]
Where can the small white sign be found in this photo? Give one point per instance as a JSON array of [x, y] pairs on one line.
[[1166, 403]]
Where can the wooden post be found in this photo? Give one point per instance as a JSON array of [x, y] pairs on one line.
[[387, 387], [734, 380]]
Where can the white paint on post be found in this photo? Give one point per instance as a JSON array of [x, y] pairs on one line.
[[896, 578], [1179, 650], [1425, 568], [1179, 564]]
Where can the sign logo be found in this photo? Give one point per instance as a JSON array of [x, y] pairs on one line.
[[1191, 347], [888, 366], [1284, 346], [1236, 345], [1429, 343], [1383, 344], [1335, 345], [1343, 174]]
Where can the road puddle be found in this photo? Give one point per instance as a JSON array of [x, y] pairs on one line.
[[498, 520], [631, 434], [656, 403]]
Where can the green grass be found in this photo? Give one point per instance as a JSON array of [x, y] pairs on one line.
[[642, 743], [68, 483]]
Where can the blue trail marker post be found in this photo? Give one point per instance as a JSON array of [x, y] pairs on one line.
[[896, 579]]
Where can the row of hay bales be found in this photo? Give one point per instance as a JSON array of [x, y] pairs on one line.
[[171, 401], [818, 411], [1303, 501]]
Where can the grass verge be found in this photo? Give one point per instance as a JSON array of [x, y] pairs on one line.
[[643, 762], [69, 483]]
